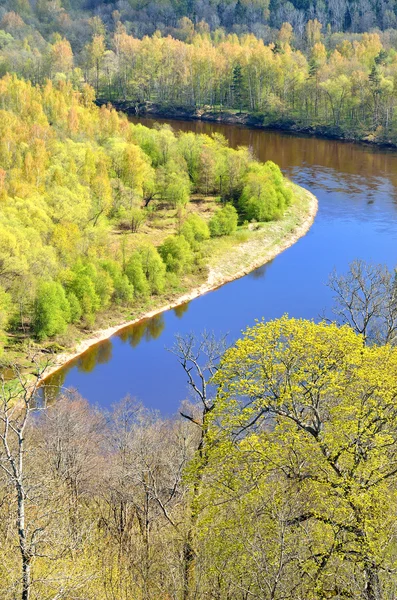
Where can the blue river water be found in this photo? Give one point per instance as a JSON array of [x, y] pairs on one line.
[[356, 187]]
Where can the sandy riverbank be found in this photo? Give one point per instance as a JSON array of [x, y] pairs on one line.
[[249, 256]]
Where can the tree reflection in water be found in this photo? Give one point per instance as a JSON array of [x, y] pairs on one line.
[[181, 309], [148, 329], [52, 387], [99, 354], [261, 271]]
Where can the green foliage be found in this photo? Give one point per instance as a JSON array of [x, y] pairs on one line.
[[298, 69], [176, 254], [81, 282], [76, 311], [195, 230], [123, 289], [265, 194], [71, 174], [224, 221], [146, 271], [303, 435], [153, 269], [51, 311], [136, 276], [5, 312], [173, 185]]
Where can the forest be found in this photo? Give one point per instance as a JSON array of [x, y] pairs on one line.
[[320, 78], [87, 201], [277, 479], [260, 17]]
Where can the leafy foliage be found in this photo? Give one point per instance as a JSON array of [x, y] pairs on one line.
[[224, 221], [71, 176], [303, 435]]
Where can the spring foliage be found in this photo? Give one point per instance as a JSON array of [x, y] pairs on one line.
[[288, 491], [303, 434], [71, 174], [311, 76]]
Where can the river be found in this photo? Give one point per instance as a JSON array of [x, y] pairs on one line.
[[356, 186]]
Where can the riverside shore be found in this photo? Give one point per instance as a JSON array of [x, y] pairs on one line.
[[226, 116], [250, 255]]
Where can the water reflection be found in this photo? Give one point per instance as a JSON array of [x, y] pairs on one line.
[[99, 354], [148, 329], [102, 352], [261, 271], [180, 310], [53, 386]]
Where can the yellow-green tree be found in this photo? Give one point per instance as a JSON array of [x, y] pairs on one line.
[[304, 437]]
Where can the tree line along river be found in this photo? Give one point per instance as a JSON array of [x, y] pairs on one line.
[[356, 187]]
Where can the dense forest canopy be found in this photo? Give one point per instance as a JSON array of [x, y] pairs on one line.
[[260, 17], [76, 184], [310, 77]]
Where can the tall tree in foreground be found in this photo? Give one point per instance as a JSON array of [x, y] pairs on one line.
[[17, 404], [301, 472], [199, 358]]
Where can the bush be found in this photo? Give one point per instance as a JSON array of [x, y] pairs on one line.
[[265, 195], [136, 275], [5, 313], [81, 282], [195, 230], [76, 311], [153, 268], [146, 271], [123, 289], [224, 221], [51, 310], [176, 254]]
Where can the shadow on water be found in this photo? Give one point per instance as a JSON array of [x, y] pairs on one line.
[[260, 272], [356, 187]]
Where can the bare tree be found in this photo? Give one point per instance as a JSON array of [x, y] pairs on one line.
[[366, 299], [72, 437], [38, 493], [199, 359], [18, 401], [144, 499]]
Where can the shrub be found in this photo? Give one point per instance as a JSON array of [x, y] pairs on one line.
[[136, 275], [51, 310], [123, 289], [195, 230], [153, 268], [224, 221], [265, 194], [176, 254]]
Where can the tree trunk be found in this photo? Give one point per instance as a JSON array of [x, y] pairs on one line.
[[25, 554], [26, 577], [372, 586]]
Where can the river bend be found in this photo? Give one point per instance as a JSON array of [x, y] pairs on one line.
[[356, 187]]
